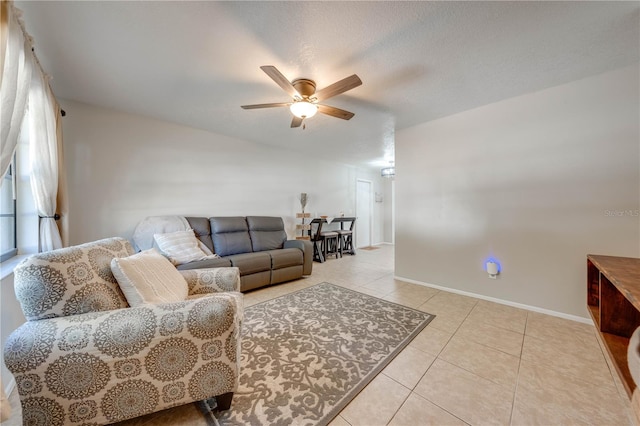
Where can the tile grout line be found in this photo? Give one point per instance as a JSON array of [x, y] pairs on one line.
[[471, 372], [412, 392], [403, 401], [515, 390]]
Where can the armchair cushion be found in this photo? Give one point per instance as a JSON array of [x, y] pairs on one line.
[[148, 277]]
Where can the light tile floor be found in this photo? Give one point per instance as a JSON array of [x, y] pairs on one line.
[[476, 363]]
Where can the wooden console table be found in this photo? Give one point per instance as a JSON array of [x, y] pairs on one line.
[[613, 298]]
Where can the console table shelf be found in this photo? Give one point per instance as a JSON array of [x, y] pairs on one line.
[[613, 299], [302, 227]]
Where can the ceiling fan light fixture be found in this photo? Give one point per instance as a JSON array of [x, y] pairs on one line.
[[305, 98], [388, 172], [303, 109]]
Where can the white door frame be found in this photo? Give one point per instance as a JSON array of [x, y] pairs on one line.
[[370, 230], [393, 212]]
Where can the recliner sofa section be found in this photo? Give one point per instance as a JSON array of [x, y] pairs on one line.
[[257, 245]]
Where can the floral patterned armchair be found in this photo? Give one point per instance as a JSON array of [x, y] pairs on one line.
[[85, 357]]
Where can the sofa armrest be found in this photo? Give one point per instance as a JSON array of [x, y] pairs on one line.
[[307, 252], [127, 351], [212, 280]]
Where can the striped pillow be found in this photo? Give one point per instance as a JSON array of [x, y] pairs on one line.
[[180, 247], [148, 277]]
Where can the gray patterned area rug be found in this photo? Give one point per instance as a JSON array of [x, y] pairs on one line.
[[307, 354]]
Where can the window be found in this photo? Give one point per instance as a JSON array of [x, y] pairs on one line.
[[8, 229]]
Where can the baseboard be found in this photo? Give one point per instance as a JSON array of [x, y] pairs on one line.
[[501, 301]]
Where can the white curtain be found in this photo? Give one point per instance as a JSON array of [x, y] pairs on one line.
[[43, 155], [63, 196], [16, 67]]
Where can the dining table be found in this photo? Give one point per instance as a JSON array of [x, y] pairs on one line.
[[327, 220]]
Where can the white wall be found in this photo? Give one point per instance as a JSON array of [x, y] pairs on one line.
[[533, 181], [122, 168]]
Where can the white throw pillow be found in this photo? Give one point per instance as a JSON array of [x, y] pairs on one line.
[[180, 247], [148, 277]]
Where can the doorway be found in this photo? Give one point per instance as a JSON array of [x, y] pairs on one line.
[[364, 211]]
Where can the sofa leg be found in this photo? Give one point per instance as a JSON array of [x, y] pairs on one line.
[[224, 401]]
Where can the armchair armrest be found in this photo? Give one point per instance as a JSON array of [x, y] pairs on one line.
[[307, 251], [212, 280]]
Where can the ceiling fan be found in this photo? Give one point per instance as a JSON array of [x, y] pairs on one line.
[[305, 98]]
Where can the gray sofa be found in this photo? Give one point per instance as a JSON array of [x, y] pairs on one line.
[[257, 245]]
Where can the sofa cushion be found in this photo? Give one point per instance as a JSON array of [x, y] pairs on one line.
[[148, 277], [253, 281], [267, 233], [207, 263], [202, 228], [286, 274], [250, 263], [285, 258], [230, 235]]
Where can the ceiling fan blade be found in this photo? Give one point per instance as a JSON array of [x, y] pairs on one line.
[[256, 106], [281, 80], [296, 122], [338, 87], [335, 112]]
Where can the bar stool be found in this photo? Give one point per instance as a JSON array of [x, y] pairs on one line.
[[325, 243], [345, 237], [315, 229], [330, 244]]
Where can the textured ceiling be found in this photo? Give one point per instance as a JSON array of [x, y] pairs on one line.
[[195, 63]]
